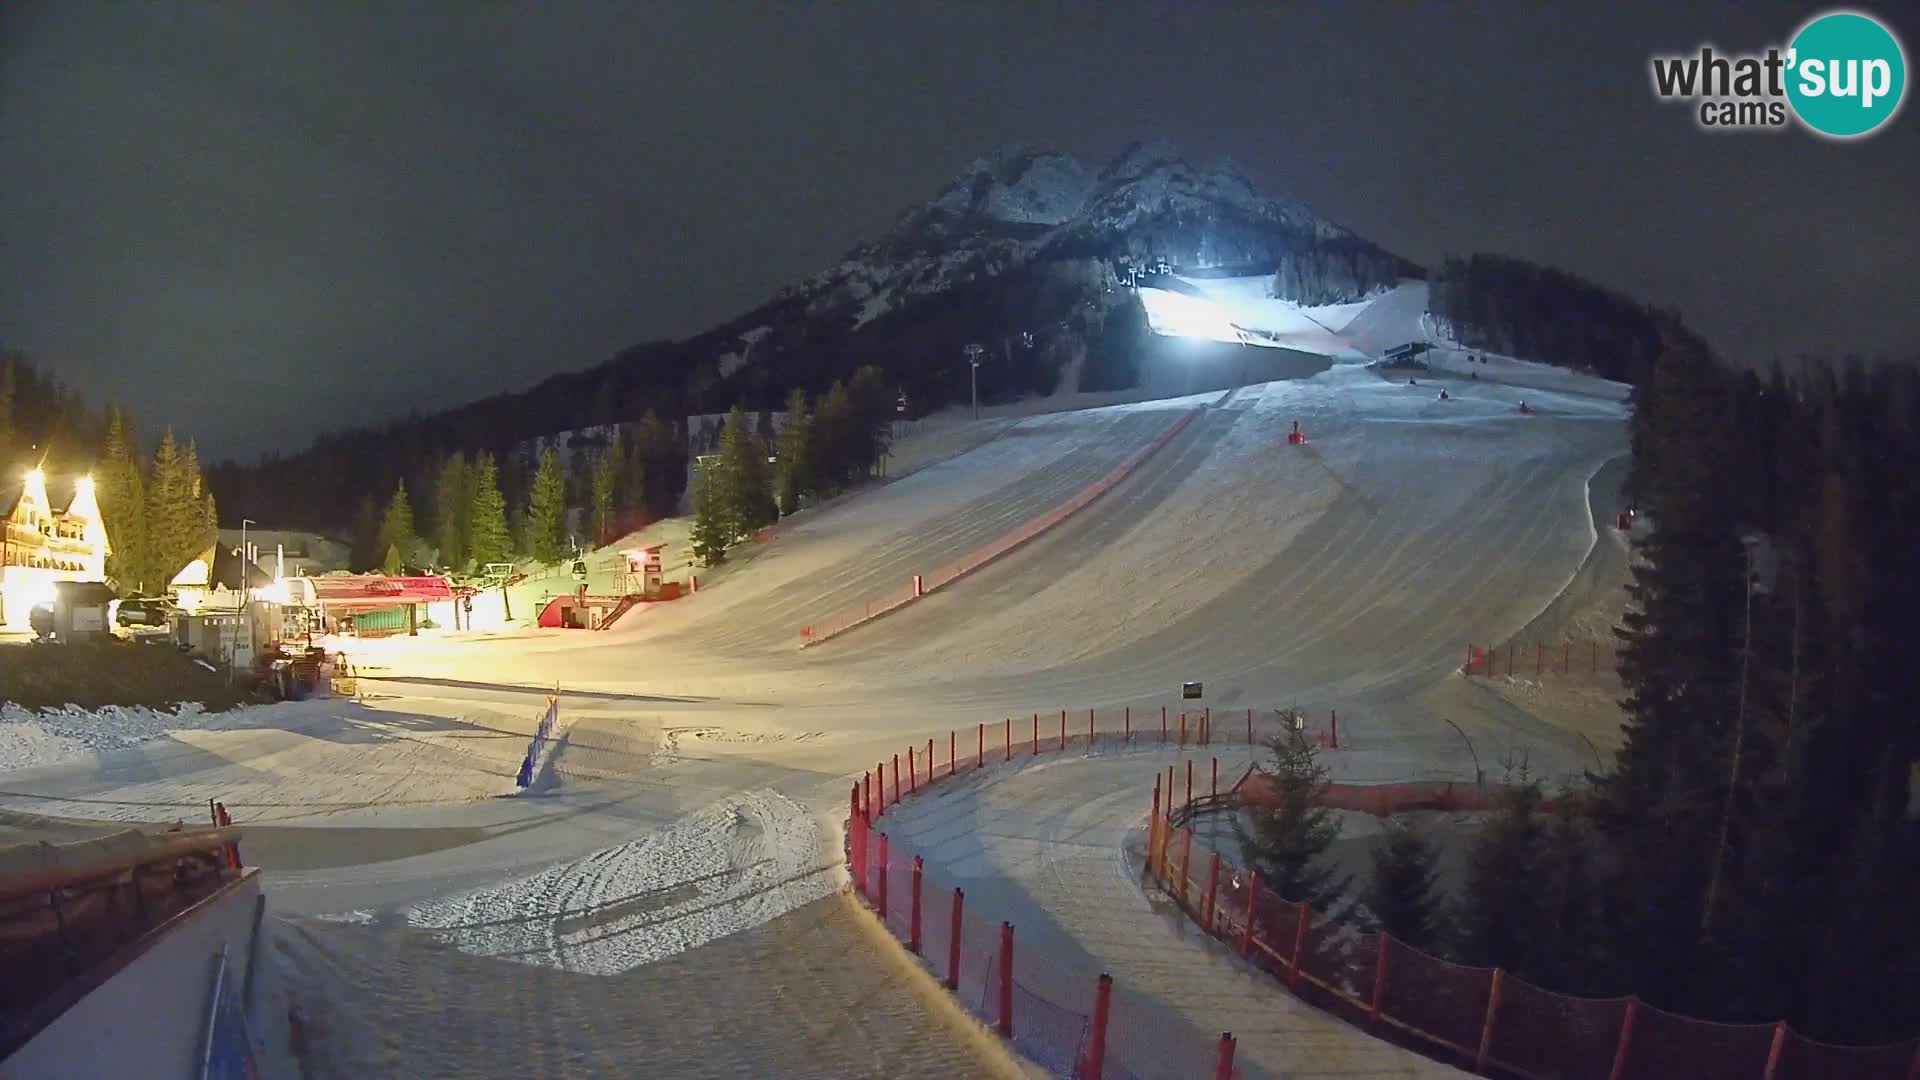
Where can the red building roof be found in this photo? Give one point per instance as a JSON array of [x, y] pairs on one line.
[[369, 592]]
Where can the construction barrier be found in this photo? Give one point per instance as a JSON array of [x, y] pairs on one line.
[[542, 738], [919, 585], [1485, 1019], [1071, 1019], [1542, 658]]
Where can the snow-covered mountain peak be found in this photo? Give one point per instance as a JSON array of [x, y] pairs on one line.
[[1025, 185]]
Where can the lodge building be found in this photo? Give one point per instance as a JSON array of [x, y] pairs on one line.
[[40, 545]]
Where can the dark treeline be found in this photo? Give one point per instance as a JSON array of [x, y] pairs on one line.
[[44, 422], [1753, 850], [1762, 809], [829, 444], [1535, 312]]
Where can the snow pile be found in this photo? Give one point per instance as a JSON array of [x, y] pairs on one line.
[[727, 868], [29, 738]]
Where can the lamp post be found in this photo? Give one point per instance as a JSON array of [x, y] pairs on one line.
[[973, 357]]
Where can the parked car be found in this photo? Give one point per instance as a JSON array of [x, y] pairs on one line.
[[145, 612]]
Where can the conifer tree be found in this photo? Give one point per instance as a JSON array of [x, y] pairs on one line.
[[795, 467], [1401, 892], [744, 487], [833, 441], [547, 511], [1500, 910], [397, 537], [489, 541], [120, 490], [606, 487], [453, 511], [1285, 837], [709, 536], [176, 522], [1661, 803]]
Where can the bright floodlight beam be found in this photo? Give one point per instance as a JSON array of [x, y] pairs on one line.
[[1173, 314]]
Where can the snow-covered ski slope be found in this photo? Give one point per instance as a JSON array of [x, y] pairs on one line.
[[1346, 573], [1239, 309]]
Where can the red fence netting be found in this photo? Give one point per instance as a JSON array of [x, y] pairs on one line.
[[1447, 1009], [1802, 1058], [1668, 1044], [1540, 1033], [1539, 659]]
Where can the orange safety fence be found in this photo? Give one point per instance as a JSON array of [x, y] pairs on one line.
[[1481, 1018], [1045, 1007], [919, 585], [1540, 659]]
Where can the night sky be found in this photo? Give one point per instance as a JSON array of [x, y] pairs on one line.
[[258, 221]]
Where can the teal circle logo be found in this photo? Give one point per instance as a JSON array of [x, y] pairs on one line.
[[1846, 74]]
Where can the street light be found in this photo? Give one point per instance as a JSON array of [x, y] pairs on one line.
[[974, 353]]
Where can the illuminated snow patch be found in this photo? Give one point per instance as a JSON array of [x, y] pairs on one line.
[[732, 866], [1175, 314]]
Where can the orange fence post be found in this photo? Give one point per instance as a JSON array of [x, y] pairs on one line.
[[1773, 1051], [1626, 1040], [1213, 890], [1186, 861], [913, 922], [880, 781], [1089, 730], [1189, 803], [980, 751], [883, 877], [912, 773], [1299, 944], [1009, 738], [1249, 727], [1097, 1036], [953, 752], [1006, 980], [896, 777], [1333, 721], [1379, 979], [866, 799], [1214, 788], [1126, 720], [1493, 1016], [953, 943], [1163, 723], [1206, 725], [1036, 733], [1223, 1057], [1063, 729], [857, 834], [1253, 892]]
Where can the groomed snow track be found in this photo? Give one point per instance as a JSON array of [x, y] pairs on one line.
[[1346, 573]]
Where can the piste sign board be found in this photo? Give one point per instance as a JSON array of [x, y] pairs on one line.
[[1189, 691]]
